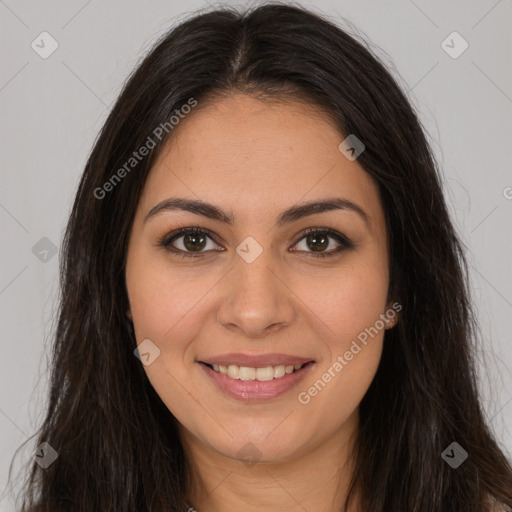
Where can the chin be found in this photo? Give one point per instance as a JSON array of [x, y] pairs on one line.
[[252, 449]]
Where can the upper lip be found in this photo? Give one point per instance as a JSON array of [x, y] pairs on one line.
[[256, 360]]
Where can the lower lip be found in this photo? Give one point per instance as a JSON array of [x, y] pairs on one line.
[[255, 390]]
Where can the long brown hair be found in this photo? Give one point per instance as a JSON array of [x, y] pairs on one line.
[[118, 445]]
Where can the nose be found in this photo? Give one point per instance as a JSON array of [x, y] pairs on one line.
[[256, 299]]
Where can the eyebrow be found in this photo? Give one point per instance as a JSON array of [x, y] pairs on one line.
[[290, 215]]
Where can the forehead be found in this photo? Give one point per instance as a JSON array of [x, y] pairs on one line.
[[256, 158]]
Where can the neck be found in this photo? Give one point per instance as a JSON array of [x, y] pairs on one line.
[[317, 478]]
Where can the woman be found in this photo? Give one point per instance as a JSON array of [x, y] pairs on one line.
[[264, 301]]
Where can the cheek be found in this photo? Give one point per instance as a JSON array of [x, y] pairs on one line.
[[345, 302], [165, 309], [170, 309], [163, 302], [348, 306], [328, 400]]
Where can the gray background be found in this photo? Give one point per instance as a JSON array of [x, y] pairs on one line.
[[52, 110]]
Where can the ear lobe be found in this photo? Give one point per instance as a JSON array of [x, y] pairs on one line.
[[392, 315], [129, 314], [391, 322]]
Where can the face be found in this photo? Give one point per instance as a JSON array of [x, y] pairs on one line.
[[250, 286]]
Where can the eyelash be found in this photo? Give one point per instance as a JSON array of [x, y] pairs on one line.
[[166, 240]]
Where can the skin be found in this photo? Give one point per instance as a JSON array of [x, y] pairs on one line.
[[257, 159]]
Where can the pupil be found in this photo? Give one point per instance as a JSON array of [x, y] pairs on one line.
[[314, 239], [194, 238], [315, 242]]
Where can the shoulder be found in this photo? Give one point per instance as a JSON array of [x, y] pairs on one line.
[[498, 507], [491, 504]]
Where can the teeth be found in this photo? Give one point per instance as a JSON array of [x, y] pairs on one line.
[[261, 374], [233, 371], [279, 371]]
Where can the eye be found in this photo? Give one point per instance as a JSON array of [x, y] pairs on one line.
[[187, 241], [193, 240], [318, 239]]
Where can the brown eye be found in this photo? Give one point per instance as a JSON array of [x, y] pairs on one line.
[[194, 241], [189, 240], [319, 240]]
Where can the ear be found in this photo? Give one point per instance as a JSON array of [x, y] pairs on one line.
[[392, 314], [129, 314]]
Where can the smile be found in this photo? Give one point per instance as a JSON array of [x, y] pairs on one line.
[[256, 383], [262, 374]]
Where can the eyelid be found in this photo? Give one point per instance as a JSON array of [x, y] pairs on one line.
[[168, 238], [166, 241], [339, 237]]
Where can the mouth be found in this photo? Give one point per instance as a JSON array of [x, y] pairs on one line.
[[261, 374], [256, 383]]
